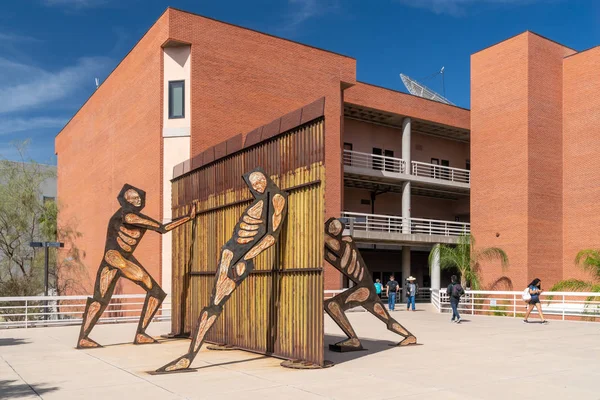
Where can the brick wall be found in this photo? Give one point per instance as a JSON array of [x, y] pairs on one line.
[[115, 138], [516, 131], [499, 159], [545, 139], [581, 119], [242, 79]]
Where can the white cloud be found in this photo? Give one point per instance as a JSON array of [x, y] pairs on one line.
[[75, 3], [25, 87], [458, 7], [303, 10], [14, 125], [11, 37]]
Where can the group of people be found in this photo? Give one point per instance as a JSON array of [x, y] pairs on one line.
[[392, 289], [455, 291]]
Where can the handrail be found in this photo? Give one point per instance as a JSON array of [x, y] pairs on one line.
[[440, 172], [374, 161], [579, 305], [32, 311], [396, 224]]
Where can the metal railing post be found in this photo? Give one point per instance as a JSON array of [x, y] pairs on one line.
[[26, 313], [563, 307], [472, 304], [514, 305]]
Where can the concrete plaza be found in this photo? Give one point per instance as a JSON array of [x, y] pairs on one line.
[[482, 358]]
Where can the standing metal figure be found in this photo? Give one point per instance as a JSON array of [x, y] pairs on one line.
[[341, 252], [257, 229], [126, 229]]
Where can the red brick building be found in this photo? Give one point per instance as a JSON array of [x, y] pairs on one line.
[[398, 166]]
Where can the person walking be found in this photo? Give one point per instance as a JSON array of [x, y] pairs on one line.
[[378, 287], [411, 292], [391, 288], [455, 291], [535, 289]]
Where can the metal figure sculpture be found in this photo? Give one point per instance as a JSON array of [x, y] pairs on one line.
[[257, 229], [126, 228], [342, 253]]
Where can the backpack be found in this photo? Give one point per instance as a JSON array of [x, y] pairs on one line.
[[526, 296], [457, 291]]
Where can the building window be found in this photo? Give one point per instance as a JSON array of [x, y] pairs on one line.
[[468, 165], [365, 202], [176, 99]]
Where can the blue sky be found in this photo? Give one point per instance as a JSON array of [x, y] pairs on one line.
[[51, 50]]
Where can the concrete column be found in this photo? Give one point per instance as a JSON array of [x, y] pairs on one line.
[[406, 207], [405, 270], [435, 270], [406, 141]]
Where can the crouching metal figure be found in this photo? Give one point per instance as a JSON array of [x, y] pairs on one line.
[[257, 229], [126, 229], [341, 252]]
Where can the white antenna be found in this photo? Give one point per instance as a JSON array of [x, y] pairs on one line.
[[97, 83], [421, 90]]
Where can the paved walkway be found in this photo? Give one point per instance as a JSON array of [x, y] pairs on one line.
[[483, 358]]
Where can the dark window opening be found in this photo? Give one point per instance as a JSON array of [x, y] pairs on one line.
[[347, 156], [377, 161], [365, 202]]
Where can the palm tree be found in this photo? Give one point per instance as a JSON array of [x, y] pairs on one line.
[[589, 259], [466, 258]]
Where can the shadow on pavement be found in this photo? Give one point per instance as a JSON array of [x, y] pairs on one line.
[[9, 390], [370, 347], [12, 342]]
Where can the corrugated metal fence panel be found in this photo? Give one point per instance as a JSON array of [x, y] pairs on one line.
[[278, 308]]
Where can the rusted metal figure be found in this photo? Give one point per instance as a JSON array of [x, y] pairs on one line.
[[257, 229], [126, 229], [341, 252]]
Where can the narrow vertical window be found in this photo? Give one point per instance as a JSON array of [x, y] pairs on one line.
[[176, 99]]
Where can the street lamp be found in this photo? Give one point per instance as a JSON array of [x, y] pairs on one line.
[[46, 246]]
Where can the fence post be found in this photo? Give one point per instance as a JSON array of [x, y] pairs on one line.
[[26, 313], [563, 307], [514, 305], [472, 304]]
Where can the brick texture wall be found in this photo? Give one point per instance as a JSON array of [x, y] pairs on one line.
[[581, 118], [499, 155], [404, 104], [545, 140], [242, 79], [516, 131], [115, 138]]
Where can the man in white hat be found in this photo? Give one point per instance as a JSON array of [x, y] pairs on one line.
[[411, 292]]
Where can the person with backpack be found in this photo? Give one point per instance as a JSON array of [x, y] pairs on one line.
[[534, 289], [455, 291]]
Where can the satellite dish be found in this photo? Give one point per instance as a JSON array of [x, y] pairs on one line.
[[421, 90]]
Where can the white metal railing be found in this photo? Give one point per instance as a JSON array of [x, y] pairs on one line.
[[440, 172], [32, 311], [564, 305], [394, 224], [373, 161]]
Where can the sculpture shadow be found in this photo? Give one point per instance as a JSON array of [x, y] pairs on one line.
[[12, 341], [371, 346], [9, 390]]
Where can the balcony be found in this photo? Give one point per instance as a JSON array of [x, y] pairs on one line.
[[394, 229], [391, 170], [441, 172]]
